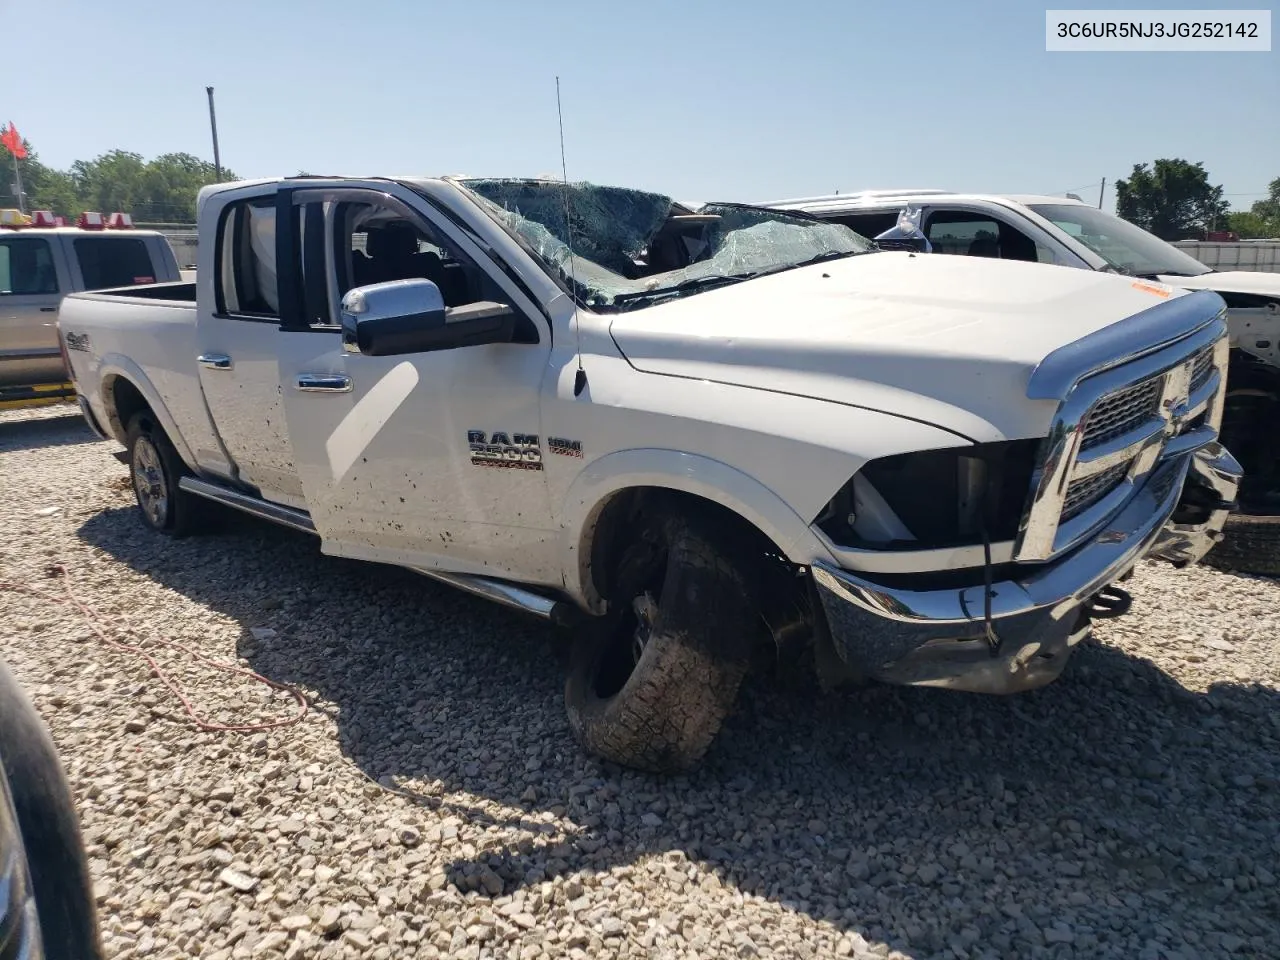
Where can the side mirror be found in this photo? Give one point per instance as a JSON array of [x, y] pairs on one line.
[[409, 316]]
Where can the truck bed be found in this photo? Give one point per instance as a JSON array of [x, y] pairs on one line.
[[147, 333], [177, 291]]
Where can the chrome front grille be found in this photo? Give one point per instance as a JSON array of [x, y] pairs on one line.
[[1202, 369], [1085, 492], [1113, 428], [1118, 413]]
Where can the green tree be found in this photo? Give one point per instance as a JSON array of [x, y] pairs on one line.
[[1269, 209], [113, 181], [1247, 225], [170, 184], [1172, 198], [160, 190]]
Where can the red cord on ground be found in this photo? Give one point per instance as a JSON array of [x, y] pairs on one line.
[[92, 617]]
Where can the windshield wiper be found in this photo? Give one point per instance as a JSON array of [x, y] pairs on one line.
[[684, 286]]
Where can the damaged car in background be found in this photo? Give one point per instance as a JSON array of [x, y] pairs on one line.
[[680, 432]]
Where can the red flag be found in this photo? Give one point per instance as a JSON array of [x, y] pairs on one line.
[[11, 140]]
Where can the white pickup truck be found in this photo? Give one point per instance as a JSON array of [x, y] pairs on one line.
[[682, 432]]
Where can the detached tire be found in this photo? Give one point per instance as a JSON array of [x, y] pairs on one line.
[[651, 682], [1250, 544], [154, 470], [53, 869]]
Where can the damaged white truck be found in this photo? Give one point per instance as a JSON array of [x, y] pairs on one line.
[[682, 432]]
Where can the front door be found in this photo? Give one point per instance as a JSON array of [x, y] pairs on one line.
[[384, 444]]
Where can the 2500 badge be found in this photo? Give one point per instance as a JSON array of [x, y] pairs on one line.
[[516, 451]]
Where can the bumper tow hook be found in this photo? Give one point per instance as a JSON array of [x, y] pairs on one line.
[[1110, 602]]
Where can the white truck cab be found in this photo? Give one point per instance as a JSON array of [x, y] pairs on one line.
[[1068, 232], [680, 431]]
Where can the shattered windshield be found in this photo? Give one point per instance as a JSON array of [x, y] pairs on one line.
[[632, 248]]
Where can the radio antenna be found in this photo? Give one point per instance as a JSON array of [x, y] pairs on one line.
[[579, 378]]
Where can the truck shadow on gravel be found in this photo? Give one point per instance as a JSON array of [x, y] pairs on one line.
[[1112, 800], [64, 431]]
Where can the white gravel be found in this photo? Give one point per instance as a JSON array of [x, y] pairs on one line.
[[1130, 810]]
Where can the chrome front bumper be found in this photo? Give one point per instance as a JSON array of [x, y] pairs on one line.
[[939, 637]]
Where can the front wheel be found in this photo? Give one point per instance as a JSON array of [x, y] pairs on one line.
[[652, 680]]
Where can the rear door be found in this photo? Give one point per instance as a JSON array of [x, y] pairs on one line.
[[33, 279], [238, 334], [385, 444]]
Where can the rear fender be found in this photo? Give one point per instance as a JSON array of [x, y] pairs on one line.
[[114, 366]]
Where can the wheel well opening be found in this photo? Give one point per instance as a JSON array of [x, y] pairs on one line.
[[124, 401], [774, 581]]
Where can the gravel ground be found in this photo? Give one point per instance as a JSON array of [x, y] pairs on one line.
[[1130, 810]]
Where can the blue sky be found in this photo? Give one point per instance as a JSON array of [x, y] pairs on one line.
[[749, 100]]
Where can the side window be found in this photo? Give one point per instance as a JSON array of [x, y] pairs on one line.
[[375, 244], [113, 262], [246, 267], [965, 234], [26, 267], [975, 235]]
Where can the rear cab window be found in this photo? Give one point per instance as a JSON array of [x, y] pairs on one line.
[[113, 262]]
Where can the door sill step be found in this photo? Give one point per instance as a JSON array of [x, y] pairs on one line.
[[499, 591], [247, 503]]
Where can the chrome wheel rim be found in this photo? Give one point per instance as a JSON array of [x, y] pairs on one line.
[[149, 482]]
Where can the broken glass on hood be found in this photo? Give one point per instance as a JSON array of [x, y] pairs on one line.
[[631, 247]]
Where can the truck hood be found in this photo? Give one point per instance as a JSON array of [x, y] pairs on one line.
[[1231, 281], [950, 341]]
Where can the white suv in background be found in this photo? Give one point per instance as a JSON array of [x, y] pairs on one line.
[[1071, 233]]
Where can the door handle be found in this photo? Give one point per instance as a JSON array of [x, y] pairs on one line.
[[324, 383], [48, 309], [215, 361]]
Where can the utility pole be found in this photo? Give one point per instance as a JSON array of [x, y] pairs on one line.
[[213, 125], [1101, 191]]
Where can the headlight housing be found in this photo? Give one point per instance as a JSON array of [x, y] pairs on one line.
[[934, 498]]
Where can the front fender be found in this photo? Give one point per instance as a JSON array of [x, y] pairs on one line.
[[686, 473]]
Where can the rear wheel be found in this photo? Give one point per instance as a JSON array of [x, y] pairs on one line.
[[155, 470], [651, 682]]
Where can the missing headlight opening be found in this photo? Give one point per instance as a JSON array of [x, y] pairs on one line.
[[934, 498]]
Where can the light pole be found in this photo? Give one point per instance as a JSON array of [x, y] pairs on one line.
[[213, 125]]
